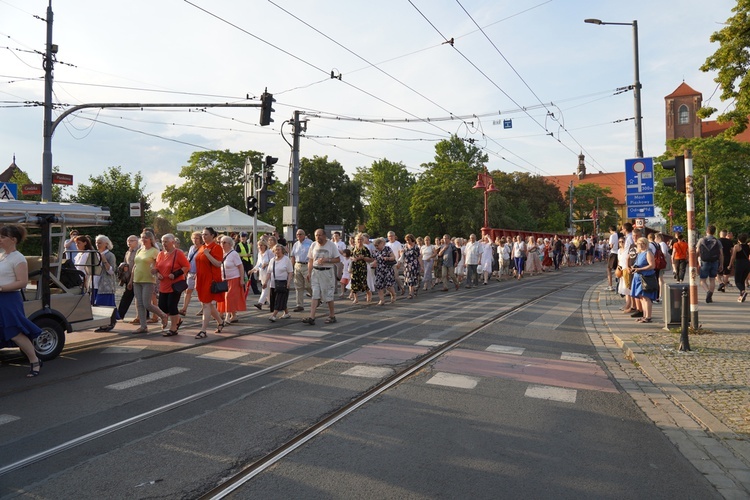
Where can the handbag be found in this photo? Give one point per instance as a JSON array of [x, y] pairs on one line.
[[279, 285], [178, 286], [220, 286], [649, 283]]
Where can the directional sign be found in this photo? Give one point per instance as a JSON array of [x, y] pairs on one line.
[[677, 229], [8, 191], [508, 123], [641, 212], [639, 184]]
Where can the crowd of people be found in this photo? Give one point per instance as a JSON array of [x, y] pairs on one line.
[[221, 272]]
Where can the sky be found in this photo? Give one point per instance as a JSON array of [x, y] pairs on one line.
[[403, 85]]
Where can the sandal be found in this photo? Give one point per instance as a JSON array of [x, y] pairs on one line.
[[201, 335], [169, 333], [309, 321], [330, 319], [643, 320], [220, 327], [165, 322], [743, 296], [143, 329], [32, 372], [179, 324]]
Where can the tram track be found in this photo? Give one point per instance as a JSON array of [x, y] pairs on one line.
[[261, 464]]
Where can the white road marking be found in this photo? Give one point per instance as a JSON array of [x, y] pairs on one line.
[[506, 349], [145, 379], [311, 333], [6, 419], [124, 349], [223, 355], [554, 317], [430, 343], [368, 371], [551, 393], [453, 380], [576, 356]]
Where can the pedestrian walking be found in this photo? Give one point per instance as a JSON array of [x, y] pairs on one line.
[[320, 259]]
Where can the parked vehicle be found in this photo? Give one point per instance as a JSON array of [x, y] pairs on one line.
[[55, 298]]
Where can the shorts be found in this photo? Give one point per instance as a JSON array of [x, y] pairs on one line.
[[323, 283], [190, 281], [709, 269], [612, 262]]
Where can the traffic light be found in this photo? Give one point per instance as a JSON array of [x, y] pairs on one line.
[[266, 101], [251, 205], [268, 181], [678, 180]]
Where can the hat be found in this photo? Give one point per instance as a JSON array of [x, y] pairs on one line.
[[243, 233]]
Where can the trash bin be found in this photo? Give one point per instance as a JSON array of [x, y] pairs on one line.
[[672, 299]]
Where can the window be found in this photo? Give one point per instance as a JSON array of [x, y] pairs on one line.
[[683, 115]]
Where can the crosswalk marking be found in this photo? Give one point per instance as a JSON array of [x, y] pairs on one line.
[[311, 333], [430, 343], [553, 318], [576, 356], [223, 355], [551, 393], [366, 371], [453, 380], [151, 377], [6, 419], [123, 349], [506, 349]]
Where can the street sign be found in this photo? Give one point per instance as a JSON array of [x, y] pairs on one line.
[[508, 123], [135, 209], [8, 191], [64, 179], [31, 189], [677, 229], [641, 223], [639, 187], [640, 212]]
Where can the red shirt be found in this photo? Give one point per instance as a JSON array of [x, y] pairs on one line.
[[680, 250], [168, 263]]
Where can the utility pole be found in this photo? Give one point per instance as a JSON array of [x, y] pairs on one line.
[[570, 195], [49, 61], [294, 174], [705, 201], [692, 237]]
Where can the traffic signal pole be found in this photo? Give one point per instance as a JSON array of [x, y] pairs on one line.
[[692, 239]]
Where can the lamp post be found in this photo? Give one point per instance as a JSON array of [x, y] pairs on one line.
[[636, 85], [487, 184]]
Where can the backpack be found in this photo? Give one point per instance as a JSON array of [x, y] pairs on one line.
[[660, 262], [710, 249]]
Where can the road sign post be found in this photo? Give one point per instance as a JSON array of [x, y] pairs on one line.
[[639, 187]]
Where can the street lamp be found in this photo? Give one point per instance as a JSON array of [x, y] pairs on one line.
[[636, 85], [487, 184]]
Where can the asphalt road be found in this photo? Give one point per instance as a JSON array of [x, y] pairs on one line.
[[521, 409]]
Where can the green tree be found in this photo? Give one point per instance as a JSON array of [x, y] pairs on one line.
[[443, 200], [526, 201], [732, 60], [585, 197], [386, 191], [115, 190], [725, 163], [327, 195]]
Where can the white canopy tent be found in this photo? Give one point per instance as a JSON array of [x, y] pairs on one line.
[[225, 219]]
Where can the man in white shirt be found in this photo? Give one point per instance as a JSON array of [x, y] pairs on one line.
[[473, 251], [298, 256], [323, 255]]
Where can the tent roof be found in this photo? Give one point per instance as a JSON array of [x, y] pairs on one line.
[[225, 219]]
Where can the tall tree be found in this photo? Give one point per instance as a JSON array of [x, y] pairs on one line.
[[443, 200], [725, 164], [327, 195], [732, 60], [116, 190], [386, 190], [586, 197], [526, 201]]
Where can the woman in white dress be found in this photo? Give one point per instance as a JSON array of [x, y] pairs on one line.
[[427, 252], [486, 258], [533, 264], [261, 267]]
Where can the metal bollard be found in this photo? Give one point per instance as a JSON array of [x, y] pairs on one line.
[[684, 340]]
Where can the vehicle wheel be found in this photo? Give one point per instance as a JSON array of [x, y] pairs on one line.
[[50, 343]]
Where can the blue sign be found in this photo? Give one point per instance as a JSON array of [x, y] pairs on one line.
[[677, 229], [508, 123], [641, 212], [639, 187], [8, 191]]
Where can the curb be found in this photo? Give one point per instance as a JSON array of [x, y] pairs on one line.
[[713, 448]]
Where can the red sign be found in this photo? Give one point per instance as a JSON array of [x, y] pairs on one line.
[[65, 179], [29, 189]]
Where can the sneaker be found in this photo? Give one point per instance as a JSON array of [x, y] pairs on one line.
[[272, 319], [721, 287], [709, 297], [258, 306], [286, 316]]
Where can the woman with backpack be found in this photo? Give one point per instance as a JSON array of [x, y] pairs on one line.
[[739, 262]]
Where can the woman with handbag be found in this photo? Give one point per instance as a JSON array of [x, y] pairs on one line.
[[233, 272], [281, 269], [208, 280], [171, 267], [645, 285], [104, 281]]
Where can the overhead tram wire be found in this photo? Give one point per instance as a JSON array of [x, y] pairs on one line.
[[359, 57], [380, 99]]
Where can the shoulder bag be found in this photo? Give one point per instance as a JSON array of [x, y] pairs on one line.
[[220, 286], [279, 285], [649, 283], [181, 285]]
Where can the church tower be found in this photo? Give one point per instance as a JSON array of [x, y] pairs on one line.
[[682, 107]]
